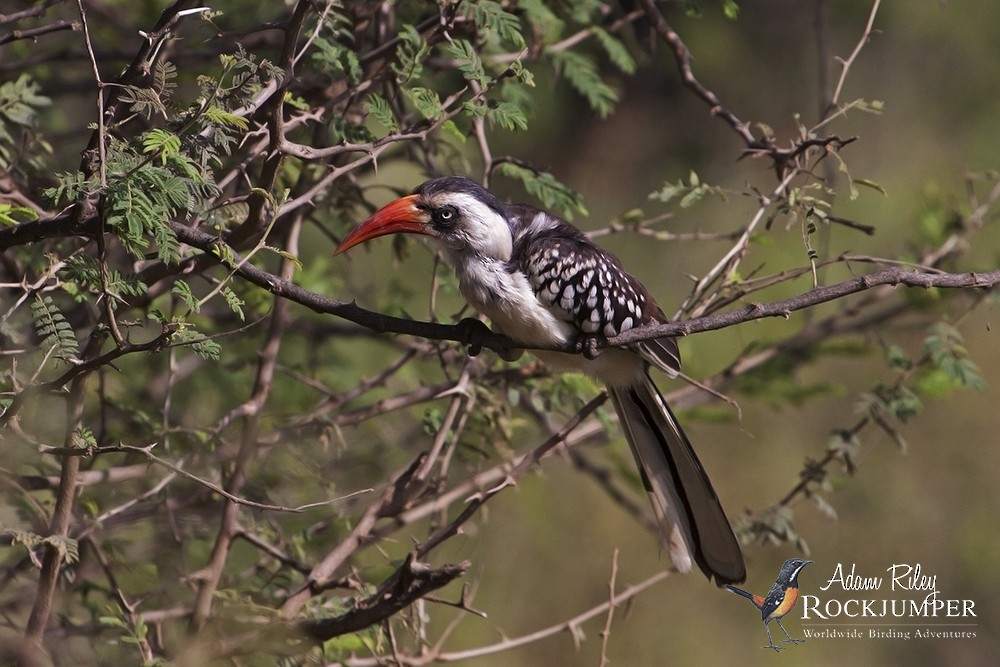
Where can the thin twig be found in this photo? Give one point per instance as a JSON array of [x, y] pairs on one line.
[[508, 644], [35, 33], [147, 453], [845, 65], [612, 604]]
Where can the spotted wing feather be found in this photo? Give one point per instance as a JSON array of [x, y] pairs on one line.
[[587, 286]]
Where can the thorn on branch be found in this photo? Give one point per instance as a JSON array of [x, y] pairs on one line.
[[463, 603]]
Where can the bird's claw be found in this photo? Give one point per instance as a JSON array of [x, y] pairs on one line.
[[589, 346], [472, 331]]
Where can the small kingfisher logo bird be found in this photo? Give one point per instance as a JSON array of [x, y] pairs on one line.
[[779, 600]]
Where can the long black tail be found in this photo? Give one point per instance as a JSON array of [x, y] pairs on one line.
[[742, 593], [693, 525]]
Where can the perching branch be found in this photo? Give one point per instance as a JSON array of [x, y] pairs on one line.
[[477, 336]]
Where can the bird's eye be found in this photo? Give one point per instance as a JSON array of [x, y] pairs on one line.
[[445, 217]]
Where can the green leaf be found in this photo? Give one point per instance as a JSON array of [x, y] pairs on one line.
[[164, 74], [522, 74], [20, 101], [545, 187], [432, 421], [70, 188], [162, 142], [690, 192], [85, 273], [51, 326], [492, 20], [693, 196], [11, 214], [469, 63], [338, 59], [507, 115], [410, 54], [68, 548], [585, 12], [203, 346], [545, 23], [222, 117], [378, 108], [581, 73], [451, 129], [234, 302], [948, 354], [864, 182], [183, 290], [296, 262], [616, 51], [342, 129], [168, 246], [113, 621], [83, 438], [425, 101], [207, 349], [896, 401], [897, 359]]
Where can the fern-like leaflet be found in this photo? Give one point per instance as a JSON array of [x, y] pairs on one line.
[[56, 333]]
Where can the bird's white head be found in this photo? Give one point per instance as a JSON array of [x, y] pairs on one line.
[[460, 216]]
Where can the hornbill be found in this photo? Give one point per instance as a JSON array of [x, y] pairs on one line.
[[543, 283]]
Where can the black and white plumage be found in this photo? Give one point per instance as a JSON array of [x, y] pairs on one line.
[[542, 282]]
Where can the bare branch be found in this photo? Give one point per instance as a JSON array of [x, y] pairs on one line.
[[892, 276], [409, 583], [569, 625], [35, 33], [683, 57]]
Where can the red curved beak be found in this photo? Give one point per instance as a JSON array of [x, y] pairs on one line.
[[399, 217]]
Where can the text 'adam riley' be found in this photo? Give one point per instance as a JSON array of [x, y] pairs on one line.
[[902, 577]]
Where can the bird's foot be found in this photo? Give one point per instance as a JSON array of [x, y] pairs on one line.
[[794, 641], [473, 332], [589, 346], [776, 648]]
